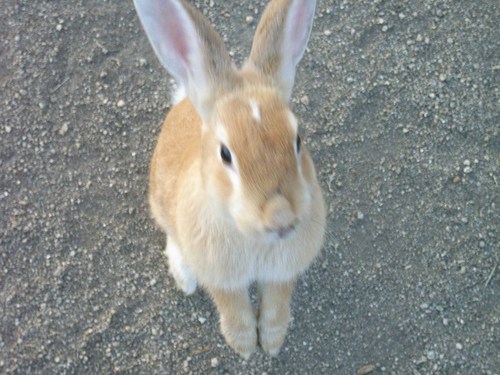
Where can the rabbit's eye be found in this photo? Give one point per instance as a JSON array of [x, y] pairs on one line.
[[298, 143], [225, 154]]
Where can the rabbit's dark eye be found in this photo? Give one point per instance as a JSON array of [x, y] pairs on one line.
[[298, 143], [225, 154]]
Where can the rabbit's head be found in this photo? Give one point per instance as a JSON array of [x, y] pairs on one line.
[[255, 170], [254, 162]]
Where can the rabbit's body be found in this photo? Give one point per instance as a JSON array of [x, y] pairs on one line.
[[230, 183], [217, 252]]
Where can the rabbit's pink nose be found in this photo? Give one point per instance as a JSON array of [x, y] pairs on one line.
[[278, 216]]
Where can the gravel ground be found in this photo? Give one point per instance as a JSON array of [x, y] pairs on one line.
[[399, 103]]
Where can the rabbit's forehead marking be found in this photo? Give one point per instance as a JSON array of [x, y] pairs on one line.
[[255, 110]]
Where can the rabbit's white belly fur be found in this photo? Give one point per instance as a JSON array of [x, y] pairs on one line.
[[221, 257]]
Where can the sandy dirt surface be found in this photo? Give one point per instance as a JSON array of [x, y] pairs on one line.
[[397, 100]]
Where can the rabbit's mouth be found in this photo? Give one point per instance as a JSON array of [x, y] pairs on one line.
[[272, 236], [282, 232], [286, 231]]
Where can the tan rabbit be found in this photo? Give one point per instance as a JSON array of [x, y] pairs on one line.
[[231, 184]]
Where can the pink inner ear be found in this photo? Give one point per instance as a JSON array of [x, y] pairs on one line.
[[300, 17], [171, 27], [180, 44]]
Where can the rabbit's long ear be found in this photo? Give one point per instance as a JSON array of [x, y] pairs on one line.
[[281, 39], [189, 48]]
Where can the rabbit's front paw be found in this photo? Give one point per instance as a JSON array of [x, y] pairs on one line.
[[274, 315], [272, 330], [240, 334], [271, 338]]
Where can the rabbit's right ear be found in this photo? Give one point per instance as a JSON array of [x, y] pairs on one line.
[[281, 39], [189, 48]]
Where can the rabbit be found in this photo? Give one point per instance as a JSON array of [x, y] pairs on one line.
[[231, 183]]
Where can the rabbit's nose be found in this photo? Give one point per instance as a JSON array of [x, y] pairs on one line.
[[285, 231], [278, 216]]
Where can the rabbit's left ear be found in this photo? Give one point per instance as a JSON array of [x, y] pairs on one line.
[[189, 48], [281, 39]]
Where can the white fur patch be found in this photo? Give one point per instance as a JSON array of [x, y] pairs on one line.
[[221, 134], [255, 110], [179, 93], [181, 272], [293, 122]]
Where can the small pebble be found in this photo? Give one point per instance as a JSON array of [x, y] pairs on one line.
[[442, 77], [120, 103], [59, 27], [365, 370], [214, 362], [249, 19], [380, 21], [305, 100], [445, 321], [482, 244], [467, 170], [458, 346], [421, 360], [385, 28], [64, 129], [8, 129], [360, 215], [327, 32], [143, 61], [202, 319], [456, 179], [466, 162], [431, 355]]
